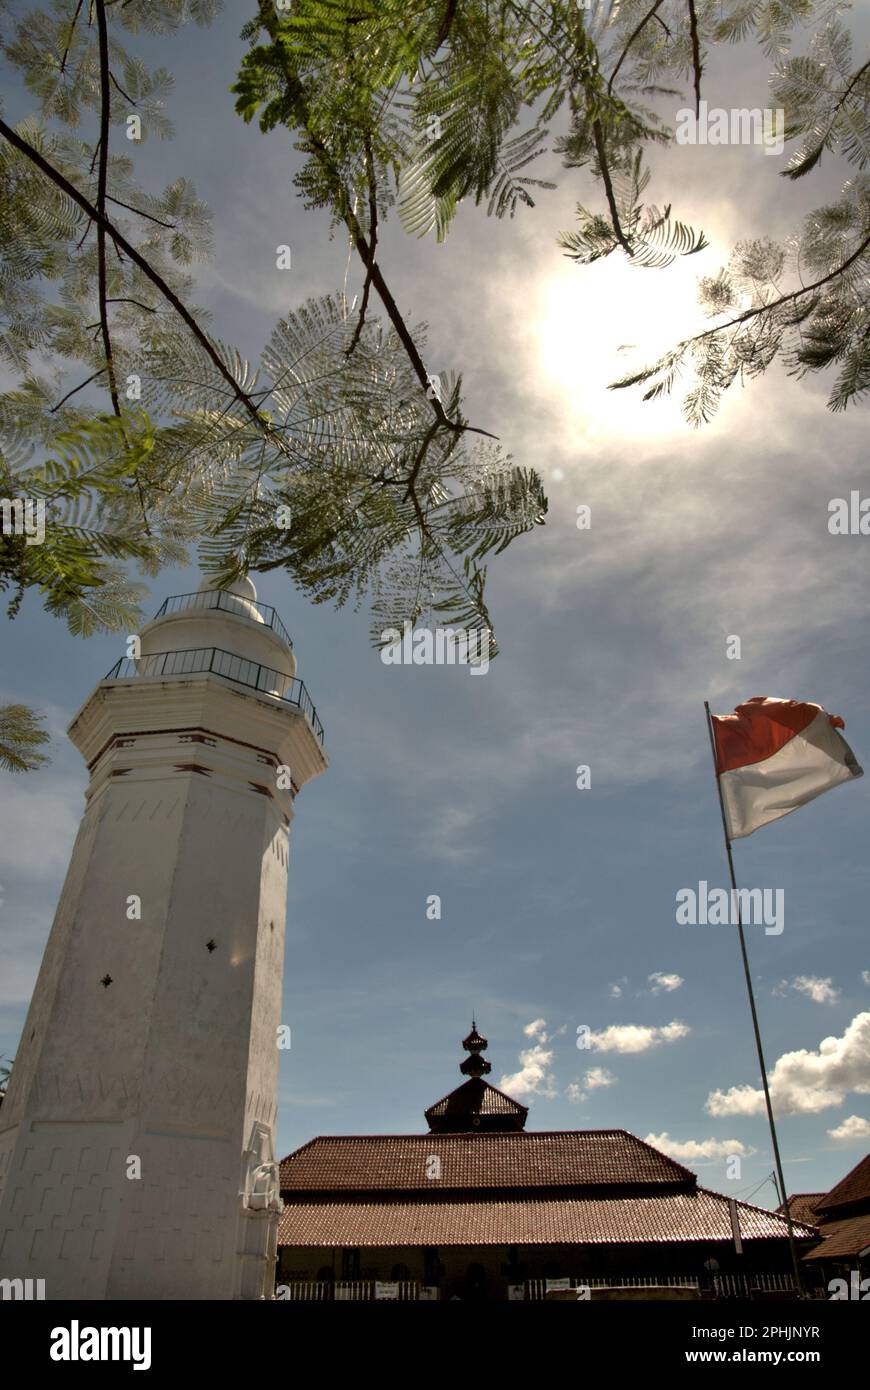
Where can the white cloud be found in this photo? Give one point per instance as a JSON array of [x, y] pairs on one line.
[[865, 976], [594, 1078], [39, 819], [643, 497], [852, 1128], [534, 1077], [598, 1076], [661, 982], [24, 927], [804, 1082], [698, 1149], [635, 1037], [449, 833], [38, 826], [615, 991], [17, 978], [821, 991]]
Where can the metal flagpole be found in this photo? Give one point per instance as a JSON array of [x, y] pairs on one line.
[[759, 1049]]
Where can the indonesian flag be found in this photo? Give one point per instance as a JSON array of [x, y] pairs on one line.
[[775, 755]]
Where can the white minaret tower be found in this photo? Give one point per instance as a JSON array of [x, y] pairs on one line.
[[137, 1155]]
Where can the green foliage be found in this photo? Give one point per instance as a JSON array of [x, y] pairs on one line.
[[88, 487], [821, 323], [20, 741], [804, 302], [429, 108], [353, 456], [655, 240], [390, 493], [770, 21], [825, 103], [335, 422], [436, 94]]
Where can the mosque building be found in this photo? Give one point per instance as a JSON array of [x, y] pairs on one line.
[[479, 1207]]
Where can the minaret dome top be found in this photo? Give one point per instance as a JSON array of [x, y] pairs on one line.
[[242, 589], [230, 621]]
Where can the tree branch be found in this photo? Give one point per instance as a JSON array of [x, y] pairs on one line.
[[785, 298], [446, 24], [148, 271], [344, 207], [373, 242], [623, 55], [69, 40], [749, 314], [80, 387], [598, 132], [697, 65], [149, 309], [102, 179], [170, 226], [418, 461], [125, 95], [788, 173]]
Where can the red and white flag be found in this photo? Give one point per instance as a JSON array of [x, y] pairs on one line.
[[775, 755]]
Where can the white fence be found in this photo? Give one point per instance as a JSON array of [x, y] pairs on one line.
[[304, 1291], [408, 1290], [743, 1285], [348, 1291], [724, 1285]]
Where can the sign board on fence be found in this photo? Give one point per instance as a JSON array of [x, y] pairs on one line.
[[516, 1293], [429, 1293], [386, 1290], [556, 1285]]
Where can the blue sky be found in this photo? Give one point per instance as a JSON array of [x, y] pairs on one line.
[[558, 905]]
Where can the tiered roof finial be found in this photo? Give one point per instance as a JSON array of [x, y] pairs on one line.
[[476, 1106], [475, 1065]]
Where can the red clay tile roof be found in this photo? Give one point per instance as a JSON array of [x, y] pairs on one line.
[[854, 1187], [677, 1216], [841, 1239], [802, 1206], [598, 1158]]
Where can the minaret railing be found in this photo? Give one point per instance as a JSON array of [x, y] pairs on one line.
[[229, 602], [197, 660]]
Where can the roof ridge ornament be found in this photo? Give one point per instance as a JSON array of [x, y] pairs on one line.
[[475, 1044], [476, 1106]]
